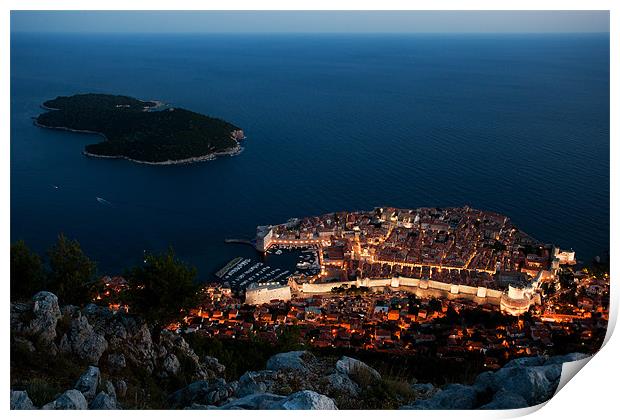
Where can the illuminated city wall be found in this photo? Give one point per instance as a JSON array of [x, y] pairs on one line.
[[265, 294], [515, 301]]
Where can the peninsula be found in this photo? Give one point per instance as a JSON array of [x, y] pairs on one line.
[[452, 252], [142, 131]]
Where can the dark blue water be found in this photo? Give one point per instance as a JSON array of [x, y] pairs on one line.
[[512, 123]]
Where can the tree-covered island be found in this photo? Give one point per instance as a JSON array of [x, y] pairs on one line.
[[142, 131]]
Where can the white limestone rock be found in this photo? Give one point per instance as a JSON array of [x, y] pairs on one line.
[[452, 397], [295, 360], [104, 401], [352, 367], [69, 400], [307, 400], [341, 384], [21, 401], [88, 382]]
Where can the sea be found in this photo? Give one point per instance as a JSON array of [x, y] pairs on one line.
[[512, 123]]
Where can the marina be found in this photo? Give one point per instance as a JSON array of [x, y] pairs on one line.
[[239, 273], [279, 264]]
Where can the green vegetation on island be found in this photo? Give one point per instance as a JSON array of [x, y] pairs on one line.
[[140, 130]]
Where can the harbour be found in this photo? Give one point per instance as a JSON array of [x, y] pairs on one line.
[[277, 265]]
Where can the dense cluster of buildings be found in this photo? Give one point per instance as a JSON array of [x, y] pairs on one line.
[[398, 321], [461, 251], [437, 282]]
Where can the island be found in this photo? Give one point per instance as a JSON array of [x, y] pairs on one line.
[[142, 131]]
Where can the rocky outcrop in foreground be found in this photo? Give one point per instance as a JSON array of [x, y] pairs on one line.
[[520, 383], [21, 401], [297, 380], [96, 336]]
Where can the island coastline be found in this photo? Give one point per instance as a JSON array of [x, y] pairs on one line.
[[233, 151], [204, 158], [73, 130], [235, 135]]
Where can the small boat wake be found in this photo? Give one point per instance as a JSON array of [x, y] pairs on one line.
[[54, 186], [103, 201]]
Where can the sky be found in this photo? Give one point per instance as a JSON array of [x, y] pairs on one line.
[[309, 21]]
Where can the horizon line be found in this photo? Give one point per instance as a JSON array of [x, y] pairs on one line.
[[312, 32]]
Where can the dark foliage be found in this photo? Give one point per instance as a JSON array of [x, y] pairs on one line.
[[160, 288], [386, 394], [27, 273], [71, 271], [42, 375], [240, 356]]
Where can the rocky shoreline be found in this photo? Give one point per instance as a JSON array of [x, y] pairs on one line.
[[38, 124], [234, 151], [204, 158]]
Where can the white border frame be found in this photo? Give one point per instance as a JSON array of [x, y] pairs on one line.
[[592, 393]]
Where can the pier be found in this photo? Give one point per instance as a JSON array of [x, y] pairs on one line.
[[251, 242]]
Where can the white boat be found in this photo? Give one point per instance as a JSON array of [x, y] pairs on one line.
[[103, 201]]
